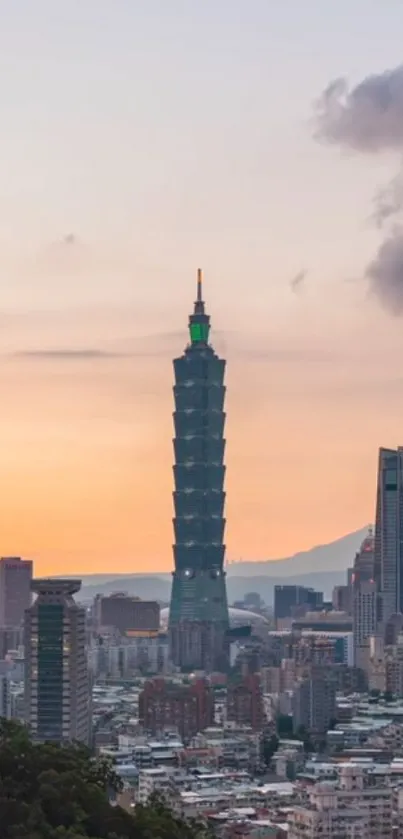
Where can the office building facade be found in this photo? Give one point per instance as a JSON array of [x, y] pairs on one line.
[[128, 615], [288, 598], [15, 590], [388, 550], [57, 694], [198, 618]]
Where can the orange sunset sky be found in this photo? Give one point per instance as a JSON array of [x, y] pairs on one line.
[[141, 141]]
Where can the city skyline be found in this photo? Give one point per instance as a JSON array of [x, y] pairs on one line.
[[160, 140]]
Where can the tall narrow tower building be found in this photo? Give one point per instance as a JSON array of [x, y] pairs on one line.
[[57, 696], [388, 555], [198, 620]]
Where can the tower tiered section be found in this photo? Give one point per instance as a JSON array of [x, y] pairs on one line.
[[198, 621]]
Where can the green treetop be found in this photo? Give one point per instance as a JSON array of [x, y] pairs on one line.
[[61, 792]]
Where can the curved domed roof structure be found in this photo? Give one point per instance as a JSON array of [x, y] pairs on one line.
[[237, 617]]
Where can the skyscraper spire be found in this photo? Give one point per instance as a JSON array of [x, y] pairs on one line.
[[199, 285], [199, 322], [199, 302]]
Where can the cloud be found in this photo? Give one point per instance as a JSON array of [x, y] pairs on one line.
[[367, 118], [70, 240], [147, 346], [385, 273], [254, 348], [69, 256], [67, 355], [388, 201], [66, 245], [297, 282]]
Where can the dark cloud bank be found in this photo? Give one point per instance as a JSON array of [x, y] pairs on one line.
[[385, 273], [368, 119]]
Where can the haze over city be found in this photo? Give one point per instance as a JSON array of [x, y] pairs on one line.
[[141, 141]]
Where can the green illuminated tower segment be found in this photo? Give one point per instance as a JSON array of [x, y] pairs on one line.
[[199, 322], [199, 613]]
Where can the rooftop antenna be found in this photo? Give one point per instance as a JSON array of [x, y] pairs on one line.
[[199, 285]]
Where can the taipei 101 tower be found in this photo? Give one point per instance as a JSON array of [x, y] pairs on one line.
[[198, 617]]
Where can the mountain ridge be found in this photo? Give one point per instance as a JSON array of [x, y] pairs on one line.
[[330, 557], [321, 567]]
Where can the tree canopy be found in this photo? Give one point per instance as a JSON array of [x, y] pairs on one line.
[[62, 792]]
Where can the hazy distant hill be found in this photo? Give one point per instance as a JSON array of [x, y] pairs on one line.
[[338, 555], [159, 588], [322, 567]]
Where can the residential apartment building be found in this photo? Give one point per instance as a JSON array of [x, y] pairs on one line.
[[155, 781], [346, 809], [187, 708], [245, 702]]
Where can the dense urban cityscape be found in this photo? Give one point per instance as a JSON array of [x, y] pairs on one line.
[[263, 720], [201, 527]]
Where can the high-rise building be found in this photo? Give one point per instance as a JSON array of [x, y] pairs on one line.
[[129, 615], [198, 618], [15, 590], [287, 598], [57, 695], [392, 629], [365, 602], [365, 619], [388, 557], [245, 702], [394, 669], [188, 708], [341, 599], [314, 702]]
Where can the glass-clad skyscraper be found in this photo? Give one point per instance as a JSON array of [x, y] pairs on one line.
[[388, 554], [198, 620]]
